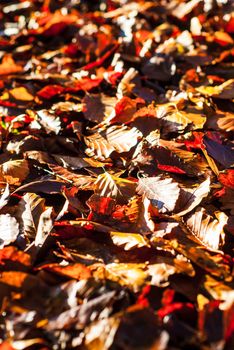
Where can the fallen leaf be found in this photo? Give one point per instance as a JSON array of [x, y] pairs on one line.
[[14, 172], [163, 193], [107, 185], [129, 240], [208, 230], [21, 94], [8, 66], [9, 229]]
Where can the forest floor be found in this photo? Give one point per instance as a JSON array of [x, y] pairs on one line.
[[116, 175]]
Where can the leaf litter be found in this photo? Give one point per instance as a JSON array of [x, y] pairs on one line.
[[116, 175]]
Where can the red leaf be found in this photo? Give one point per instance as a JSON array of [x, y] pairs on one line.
[[197, 141], [227, 178], [101, 205], [50, 91], [175, 307], [142, 299], [85, 84], [101, 60], [124, 110], [171, 169], [55, 29], [230, 26]]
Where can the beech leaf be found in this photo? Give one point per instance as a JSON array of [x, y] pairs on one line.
[[207, 229], [162, 192], [108, 185]]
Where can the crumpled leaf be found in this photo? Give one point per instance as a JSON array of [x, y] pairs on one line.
[[138, 214], [49, 121]]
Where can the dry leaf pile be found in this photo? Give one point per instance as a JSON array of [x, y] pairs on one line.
[[116, 175]]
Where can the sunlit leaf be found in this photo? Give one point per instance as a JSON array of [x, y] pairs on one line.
[[207, 229], [133, 275], [21, 94], [192, 197], [9, 66], [120, 189], [225, 90], [129, 240], [9, 229], [162, 192], [14, 171]]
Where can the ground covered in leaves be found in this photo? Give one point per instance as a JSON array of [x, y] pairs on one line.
[[116, 178]]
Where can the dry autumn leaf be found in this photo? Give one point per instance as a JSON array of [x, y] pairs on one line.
[[14, 172], [9, 66], [163, 193], [21, 94]]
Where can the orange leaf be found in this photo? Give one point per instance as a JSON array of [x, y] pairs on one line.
[[76, 271], [8, 66]]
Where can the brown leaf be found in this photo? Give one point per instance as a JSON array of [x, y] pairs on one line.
[[49, 121], [132, 275], [98, 107], [138, 214], [45, 226], [115, 138], [76, 271], [30, 208], [192, 197]]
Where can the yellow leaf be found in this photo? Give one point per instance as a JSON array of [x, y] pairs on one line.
[[129, 240], [133, 275], [224, 91], [21, 94]]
